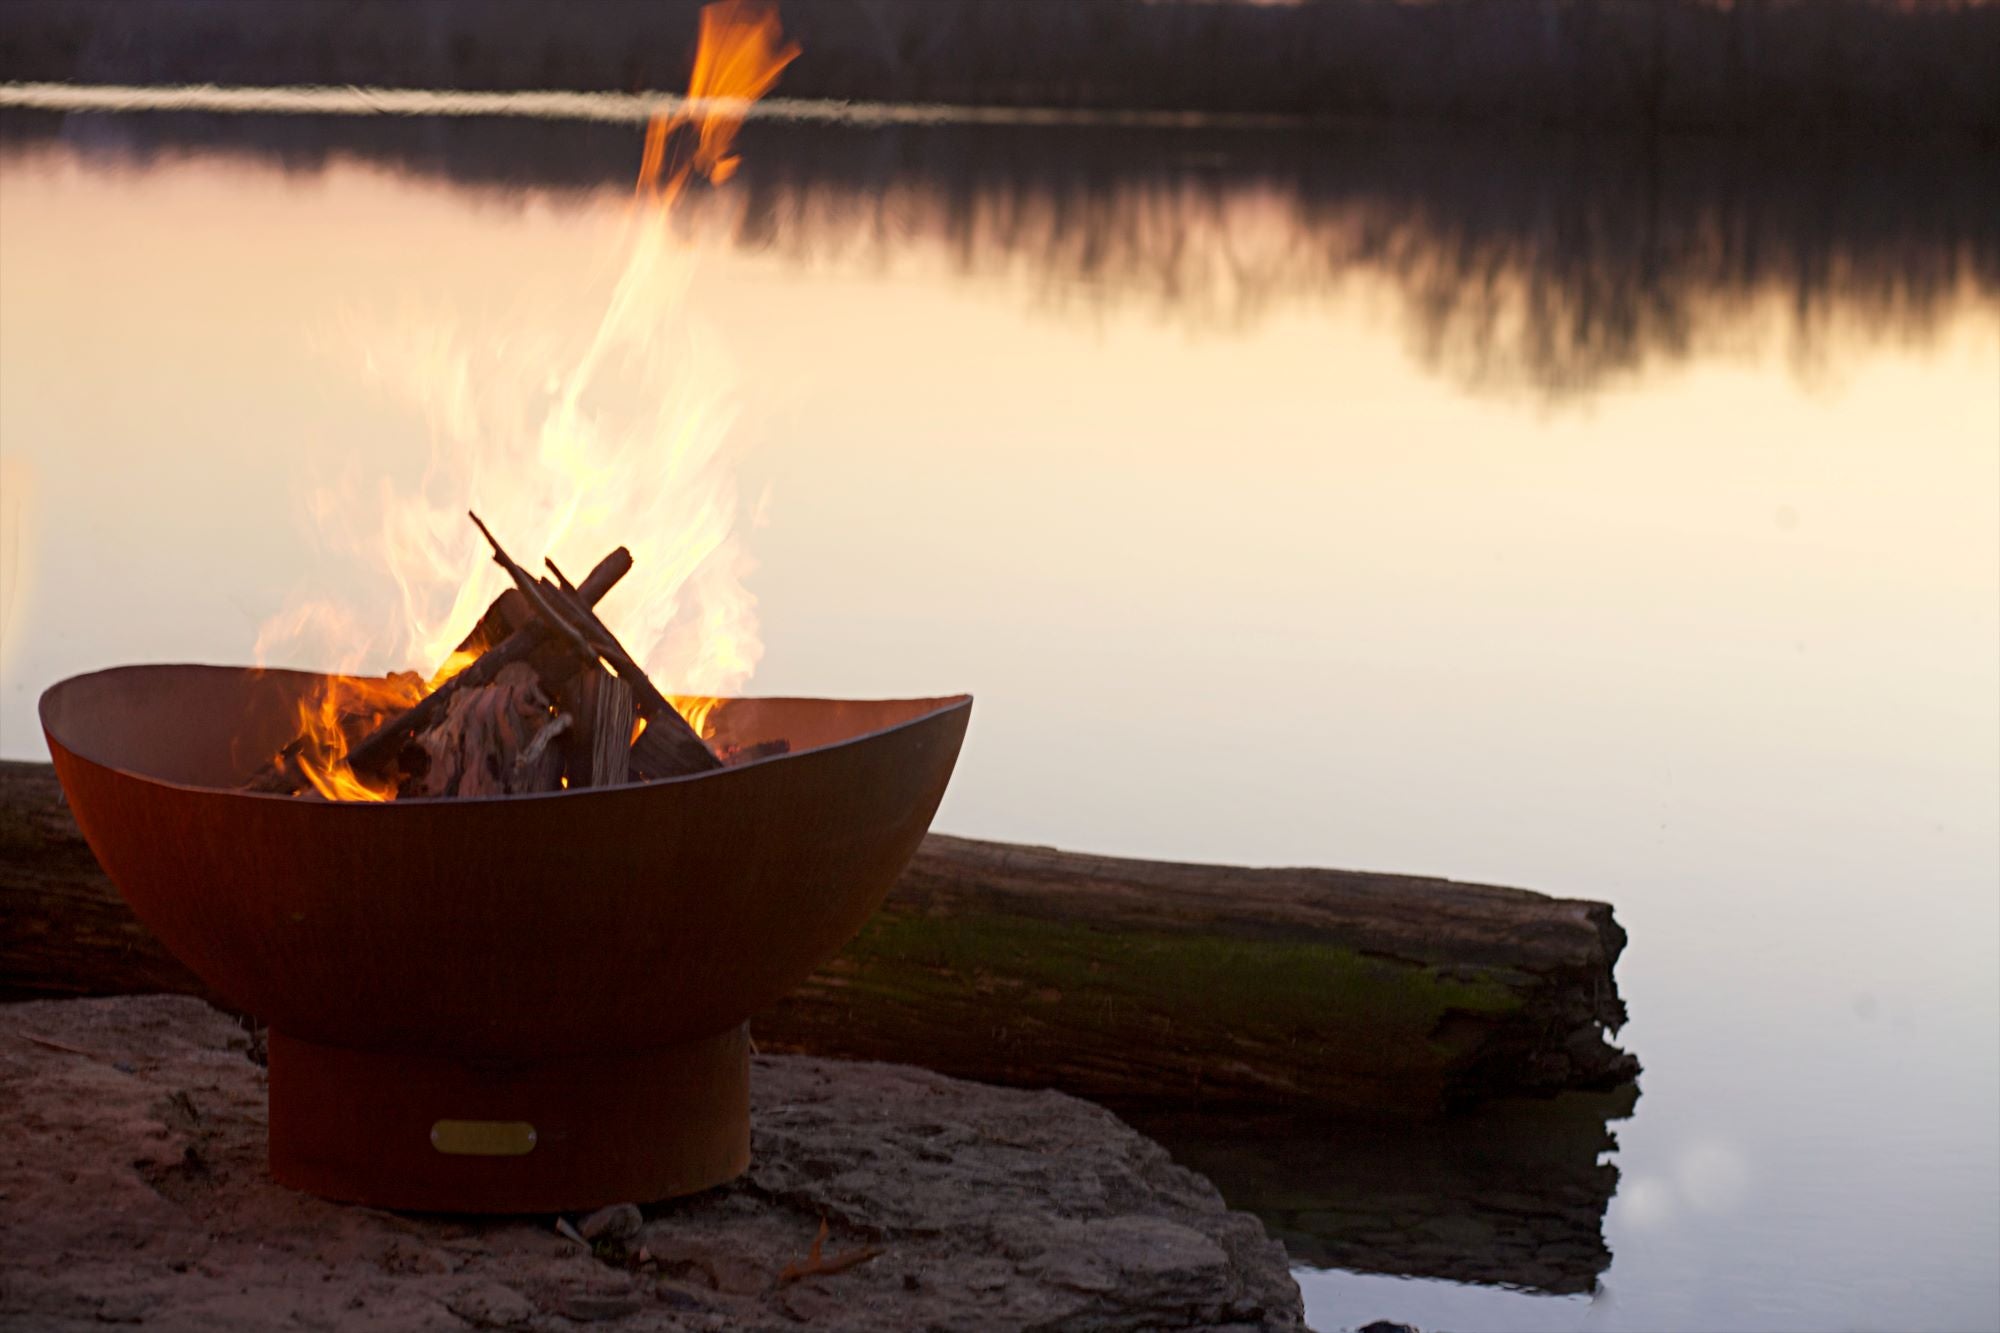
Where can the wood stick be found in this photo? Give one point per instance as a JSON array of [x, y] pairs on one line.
[[537, 594], [668, 747], [504, 614], [673, 748], [380, 746], [600, 745], [611, 751], [605, 644], [535, 756], [280, 776], [745, 754]]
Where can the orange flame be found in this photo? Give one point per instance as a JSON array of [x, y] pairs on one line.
[[658, 479], [741, 53], [460, 659], [334, 718], [698, 711]]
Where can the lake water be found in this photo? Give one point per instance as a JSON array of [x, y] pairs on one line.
[[1615, 521]]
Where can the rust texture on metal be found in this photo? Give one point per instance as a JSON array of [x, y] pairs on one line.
[[580, 961]]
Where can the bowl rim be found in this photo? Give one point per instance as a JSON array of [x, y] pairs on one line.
[[941, 705]]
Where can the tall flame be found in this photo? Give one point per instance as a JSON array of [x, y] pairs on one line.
[[741, 53], [631, 444]]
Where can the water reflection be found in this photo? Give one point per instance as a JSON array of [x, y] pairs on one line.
[[1720, 649], [1513, 1195], [1546, 266]]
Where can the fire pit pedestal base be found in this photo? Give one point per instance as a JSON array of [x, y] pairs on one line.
[[432, 1133]]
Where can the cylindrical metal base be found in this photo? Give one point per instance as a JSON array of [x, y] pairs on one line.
[[431, 1134]]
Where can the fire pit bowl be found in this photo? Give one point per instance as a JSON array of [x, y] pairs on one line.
[[500, 1004]]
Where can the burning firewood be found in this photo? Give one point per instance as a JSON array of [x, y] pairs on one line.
[[668, 747], [490, 741], [379, 749], [545, 697], [600, 742], [537, 755]]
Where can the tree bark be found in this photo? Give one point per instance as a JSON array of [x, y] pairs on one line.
[[1147, 982], [1130, 982]]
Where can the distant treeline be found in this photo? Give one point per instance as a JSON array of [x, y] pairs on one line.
[[1547, 265], [1685, 64]]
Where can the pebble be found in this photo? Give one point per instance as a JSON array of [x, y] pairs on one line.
[[620, 1221]]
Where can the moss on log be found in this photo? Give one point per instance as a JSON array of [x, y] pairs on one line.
[[1130, 982], [1140, 982]]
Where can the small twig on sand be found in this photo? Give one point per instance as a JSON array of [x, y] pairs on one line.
[[64, 1047], [815, 1266]]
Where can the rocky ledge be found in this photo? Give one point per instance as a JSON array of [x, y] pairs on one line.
[[133, 1190]]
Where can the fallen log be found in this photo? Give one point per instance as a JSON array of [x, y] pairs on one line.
[[1146, 983], [1130, 982]]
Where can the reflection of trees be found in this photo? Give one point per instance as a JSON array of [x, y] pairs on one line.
[[1551, 264], [1543, 264], [1563, 275]]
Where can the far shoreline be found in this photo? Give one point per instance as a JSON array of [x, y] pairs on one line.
[[1751, 67]]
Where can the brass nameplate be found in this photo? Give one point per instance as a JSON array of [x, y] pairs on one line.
[[483, 1138]]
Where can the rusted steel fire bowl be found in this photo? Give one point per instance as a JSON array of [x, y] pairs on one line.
[[503, 1004]]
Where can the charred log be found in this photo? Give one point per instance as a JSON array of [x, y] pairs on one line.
[[731, 756], [480, 731], [668, 747], [490, 741], [379, 749], [675, 749]]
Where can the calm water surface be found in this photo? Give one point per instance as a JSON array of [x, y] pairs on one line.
[[1617, 523]]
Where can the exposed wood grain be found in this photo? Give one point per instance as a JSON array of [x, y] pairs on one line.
[[481, 745], [599, 746]]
